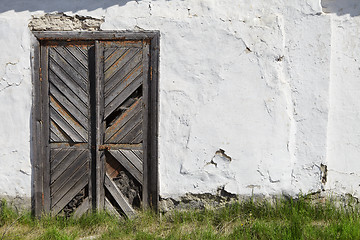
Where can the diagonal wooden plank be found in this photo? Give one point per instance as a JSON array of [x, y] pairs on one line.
[[59, 155], [56, 208], [123, 72], [135, 131], [79, 55], [110, 208], [64, 153], [83, 208], [66, 70], [108, 51], [58, 166], [119, 197], [83, 49], [123, 119], [70, 61], [113, 72], [69, 82], [66, 122], [64, 126], [139, 154], [115, 58], [122, 83], [69, 106], [57, 194], [127, 164], [56, 132], [133, 158], [54, 152], [120, 98], [68, 93], [138, 138], [54, 137], [122, 132], [61, 176]]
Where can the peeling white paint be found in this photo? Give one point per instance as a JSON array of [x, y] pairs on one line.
[[272, 83]]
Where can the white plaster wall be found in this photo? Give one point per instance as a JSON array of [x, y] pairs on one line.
[[249, 77], [344, 115]]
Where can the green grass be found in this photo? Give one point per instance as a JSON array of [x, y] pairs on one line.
[[284, 219]]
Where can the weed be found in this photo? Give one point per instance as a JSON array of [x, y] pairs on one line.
[[283, 219]]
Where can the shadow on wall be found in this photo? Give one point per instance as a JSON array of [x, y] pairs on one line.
[[341, 7], [60, 6]]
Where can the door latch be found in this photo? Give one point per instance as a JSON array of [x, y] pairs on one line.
[[104, 147]]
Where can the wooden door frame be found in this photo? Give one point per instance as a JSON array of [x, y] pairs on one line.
[[40, 122]]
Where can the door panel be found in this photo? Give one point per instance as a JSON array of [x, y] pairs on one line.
[[69, 117], [124, 74]]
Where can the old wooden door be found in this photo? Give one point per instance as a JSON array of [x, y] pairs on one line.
[[93, 126]]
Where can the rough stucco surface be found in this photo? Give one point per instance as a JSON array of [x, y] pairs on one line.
[[252, 93], [343, 130]]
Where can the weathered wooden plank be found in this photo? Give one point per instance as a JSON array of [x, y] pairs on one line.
[[67, 125], [108, 51], [134, 159], [54, 137], [119, 99], [69, 145], [119, 197], [123, 119], [95, 35], [69, 82], [59, 179], [135, 131], [110, 208], [70, 195], [138, 138], [121, 133], [36, 142], [121, 71], [99, 122], [46, 127], [54, 152], [68, 72], [139, 154], [63, 161], [57, 194], [69, 106], [79, 55], [61, 165], [58, 134], [83, 208], [152, 154], [84, 49], [117, 55], [123, 43], [116, 71], [143, 135], [72, 62], [127, 164], [54, 159], [116, 146], [123, 83], [92, 123], [68, 93]]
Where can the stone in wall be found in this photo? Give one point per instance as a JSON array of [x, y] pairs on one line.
[[63, 22]]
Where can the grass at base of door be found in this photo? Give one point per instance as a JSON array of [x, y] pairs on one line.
[[283, 219]]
